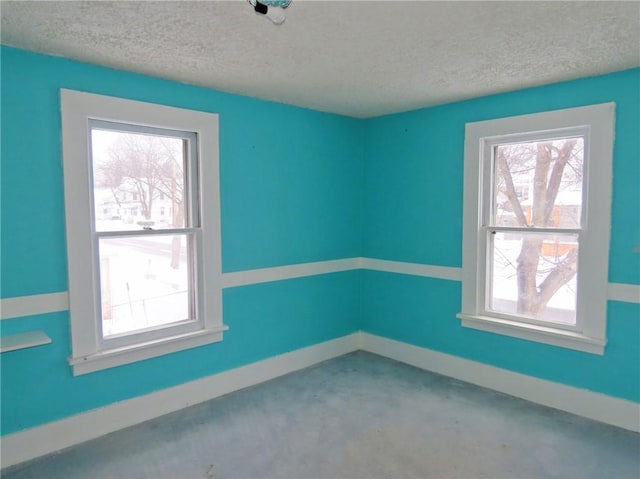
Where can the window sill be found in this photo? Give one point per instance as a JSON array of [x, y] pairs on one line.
[[110, 358], [532, 332]]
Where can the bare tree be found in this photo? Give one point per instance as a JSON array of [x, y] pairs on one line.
[[174, 189], [151, 167], [550, 164], [139, 164]]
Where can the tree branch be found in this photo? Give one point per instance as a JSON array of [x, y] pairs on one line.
[[510, 189], [543, 161], [561, 275], [564, 154]]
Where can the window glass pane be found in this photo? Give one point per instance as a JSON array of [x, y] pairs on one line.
[[534, 275], [135, 178], [538, 183], [144, 282]]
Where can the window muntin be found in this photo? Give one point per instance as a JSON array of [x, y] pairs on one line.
[[533, 226], [526, 174], [148, 278], [139, 171], [141, 288], [540, 288]]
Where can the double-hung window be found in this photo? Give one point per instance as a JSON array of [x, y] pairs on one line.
[[142, 282], [536, 226]]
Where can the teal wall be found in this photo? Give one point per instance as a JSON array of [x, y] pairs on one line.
[[290, 178], [413, 197], [290, 193], [264, 320], [308, 186]]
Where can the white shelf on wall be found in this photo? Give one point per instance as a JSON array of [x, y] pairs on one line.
[[29, 339]]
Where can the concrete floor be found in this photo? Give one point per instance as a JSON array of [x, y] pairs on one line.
[[357, 416]]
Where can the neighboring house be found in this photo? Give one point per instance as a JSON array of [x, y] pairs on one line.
[[124, 205]]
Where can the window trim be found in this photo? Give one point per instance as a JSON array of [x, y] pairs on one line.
[[598, 122], [77, 108]]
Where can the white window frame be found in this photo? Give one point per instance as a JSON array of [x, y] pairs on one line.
[[596, 123], [90, 352]]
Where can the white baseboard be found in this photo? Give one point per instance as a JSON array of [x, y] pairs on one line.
[[38, 441], [582, 402]]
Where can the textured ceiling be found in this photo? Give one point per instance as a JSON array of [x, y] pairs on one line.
[[356, 58]]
